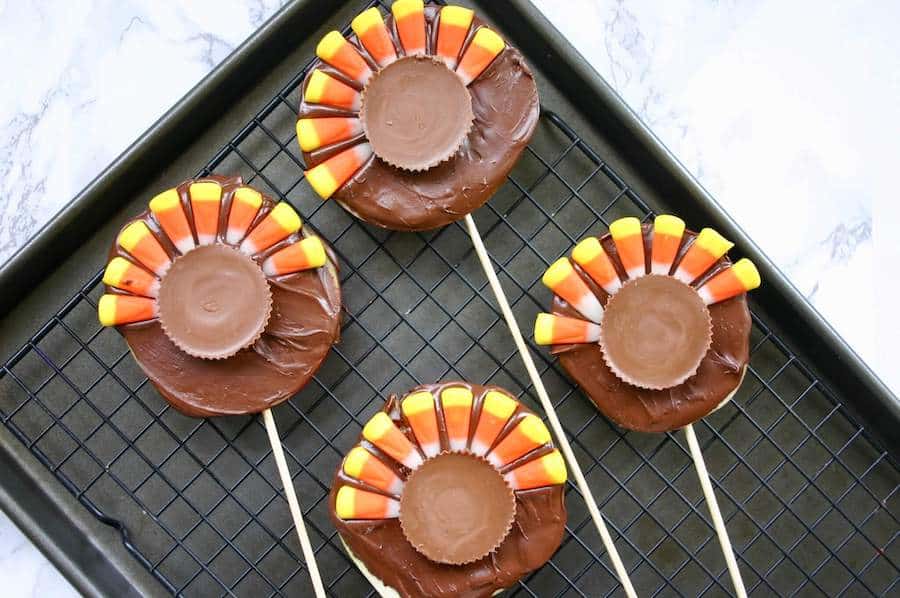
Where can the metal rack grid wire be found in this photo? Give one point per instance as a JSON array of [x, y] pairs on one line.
[[810, 499]]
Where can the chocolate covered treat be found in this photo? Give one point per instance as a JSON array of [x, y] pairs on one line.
[[453, 490], [227, 303], [414, 120], [651, 321]]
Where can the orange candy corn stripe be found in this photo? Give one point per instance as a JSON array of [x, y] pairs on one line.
[[529, 434], [589, 254], [549, 470], [419, 410], [667, 233], [373, 34], [409, 18], [137, 240], [484, 47], [115, 310], [626, 233], [166, 208], [383, 433], [550, 329], [456, 404], [306, 254], [353, 503], [330, 175], [739, 278], [325, 89], [496, 410], [205, 200], [276, 226], [244, 206], [705, 251], [313, 133], [122, 274], [339, 53], [562, 279], [362, 465], [453, 26]]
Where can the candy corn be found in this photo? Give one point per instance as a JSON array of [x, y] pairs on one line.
[[456, 403], [166, 208], [373, 34], [705, 251], [549, 470], [418, 408], [353, 503], [739, 278], [589, 254], [244, 206], [205, 200], [115, 310], [453, 26], [626, 233], [137, 240], [339, 53], [313, 133], [528, 434], [366, 467], [383, 433], [330, 175], [305, 254], [276, 226], [325, 89], [409, 17], [558, 330], [484, 47], [562, 279], [667, 233], [496, 409], [124, 275]]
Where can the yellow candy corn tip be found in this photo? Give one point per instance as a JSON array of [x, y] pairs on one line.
[[306, 135], [401, 8], [543, 329], [315, 251], [534, 429], [713, 242], [555, 467], [456, 397], [286, 217], [747, 273], [106, 310], [417, 403], [377, 427], [329, 45], [321, 180], [164, 201], [251, 197], [498, 404], [206, 191], [315, 91], [557, 272], [115, 271], [132, 234], [625, 227], [489, 40], [587, 250], [345, 502], [666, 224], [457, 15], [366, 20], [355, 461]]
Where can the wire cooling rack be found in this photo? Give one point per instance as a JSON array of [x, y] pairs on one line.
[[809, 498]]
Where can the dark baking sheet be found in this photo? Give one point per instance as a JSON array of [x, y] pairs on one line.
[[127, 496]]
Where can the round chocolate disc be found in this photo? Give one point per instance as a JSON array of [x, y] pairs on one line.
[[416, 113], [456, 508], [214, 301], [655, 332]]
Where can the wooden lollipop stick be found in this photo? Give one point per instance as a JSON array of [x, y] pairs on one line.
[[297, 515], [548, 407], [714, 512]]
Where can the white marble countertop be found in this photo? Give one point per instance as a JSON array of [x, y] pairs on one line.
[[786, 111]]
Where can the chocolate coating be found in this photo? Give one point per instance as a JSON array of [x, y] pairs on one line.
[[535, 535], [304, 323], [719, 374], [506, 111]]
